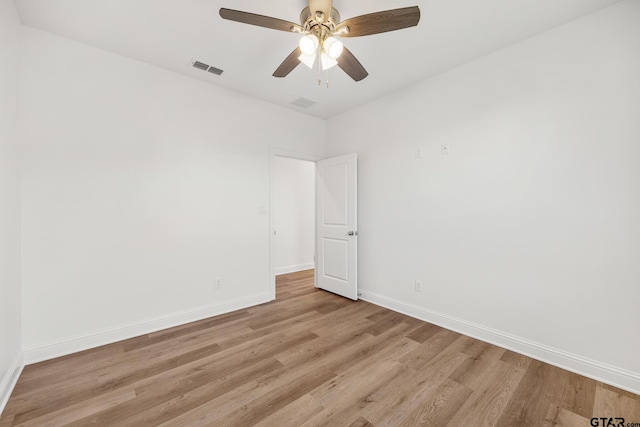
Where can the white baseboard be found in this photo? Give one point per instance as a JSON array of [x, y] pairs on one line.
[[9, 381], [617, 377], [70, 345], [294, 268]]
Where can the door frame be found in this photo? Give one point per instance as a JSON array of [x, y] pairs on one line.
[[273, 153]]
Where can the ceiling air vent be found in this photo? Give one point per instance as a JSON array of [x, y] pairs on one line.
[[214, 70], [200, 65], [205, 67], [303, 102]]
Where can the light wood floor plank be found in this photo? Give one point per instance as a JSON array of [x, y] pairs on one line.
[[408, 390], [294, 415], [309, 358], [439, 407], [610, 403], [560, 417]]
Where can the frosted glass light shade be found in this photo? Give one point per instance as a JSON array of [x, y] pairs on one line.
[[308, 60], [333, 47], [327, 62], [308, 44]]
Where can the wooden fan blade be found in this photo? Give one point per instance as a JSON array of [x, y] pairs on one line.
[[381, 22], [259, 20], [351, 65], [288, 64]]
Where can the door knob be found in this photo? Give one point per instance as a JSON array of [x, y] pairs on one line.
[[352, 233]]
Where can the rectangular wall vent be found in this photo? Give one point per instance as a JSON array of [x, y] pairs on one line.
[[303, 102], [205, 67]]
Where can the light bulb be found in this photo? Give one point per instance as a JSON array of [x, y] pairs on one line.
[[333, 47], [308, 44], [308, 60]]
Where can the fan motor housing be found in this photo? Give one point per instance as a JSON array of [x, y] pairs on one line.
[[311, 23]]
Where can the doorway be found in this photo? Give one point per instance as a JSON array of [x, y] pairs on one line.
[[292, 202], [295, 214], [334, 219]]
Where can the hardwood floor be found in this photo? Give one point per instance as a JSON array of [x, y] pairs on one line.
[[310, 358]]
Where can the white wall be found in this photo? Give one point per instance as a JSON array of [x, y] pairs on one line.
[[140, 188], [528, 233], [10, 347], [294, 214]]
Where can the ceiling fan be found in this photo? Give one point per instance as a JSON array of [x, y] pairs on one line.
[[321, 28]]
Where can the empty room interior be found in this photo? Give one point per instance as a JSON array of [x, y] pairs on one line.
[[427, 213]]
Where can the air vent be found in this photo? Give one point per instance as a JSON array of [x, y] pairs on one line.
[[200, 65], [205, 67], [303, 102]]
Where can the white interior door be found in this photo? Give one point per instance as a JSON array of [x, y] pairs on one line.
[[337, 235]]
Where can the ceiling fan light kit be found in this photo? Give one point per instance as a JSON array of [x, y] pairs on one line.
[[308, 60], [321, 28], [327, 62], [309, 44], [333, 47], [329, 51]]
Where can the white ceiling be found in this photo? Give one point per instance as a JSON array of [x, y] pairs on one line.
[[171, 33]]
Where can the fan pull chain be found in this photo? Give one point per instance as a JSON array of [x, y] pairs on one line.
[[320, 73]]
